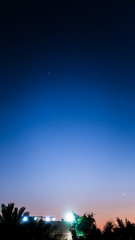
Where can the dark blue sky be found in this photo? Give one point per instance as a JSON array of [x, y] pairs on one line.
[[67, 107]]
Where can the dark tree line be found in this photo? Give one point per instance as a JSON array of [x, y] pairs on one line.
[[83, 227], [12, 226]]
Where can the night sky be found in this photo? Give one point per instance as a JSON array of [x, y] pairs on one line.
[[67, 107]]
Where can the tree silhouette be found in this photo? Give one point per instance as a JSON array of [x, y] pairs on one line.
[[119, 231], [108, 231], [84, 227], [12, 226], [12, 215], [120, 223], [125, 230]]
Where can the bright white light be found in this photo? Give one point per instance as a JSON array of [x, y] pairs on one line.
[[53, 219], [25, 219], [70, 217], [35, 219], [47, 219]]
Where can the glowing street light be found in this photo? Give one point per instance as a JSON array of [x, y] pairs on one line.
[[25, 219], [47, 219], [70, 217]]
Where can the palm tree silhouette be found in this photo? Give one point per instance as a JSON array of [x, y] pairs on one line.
[[12, 215]]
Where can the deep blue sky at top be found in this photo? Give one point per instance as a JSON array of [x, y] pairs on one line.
[[67, 103]]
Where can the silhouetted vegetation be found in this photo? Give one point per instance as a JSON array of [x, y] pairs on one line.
[[119, 231], [12, 215], [83, 227], [13, 227]]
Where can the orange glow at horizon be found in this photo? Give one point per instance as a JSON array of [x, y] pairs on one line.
[[101, 214]]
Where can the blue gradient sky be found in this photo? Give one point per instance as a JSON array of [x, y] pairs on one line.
[[67, 108]]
